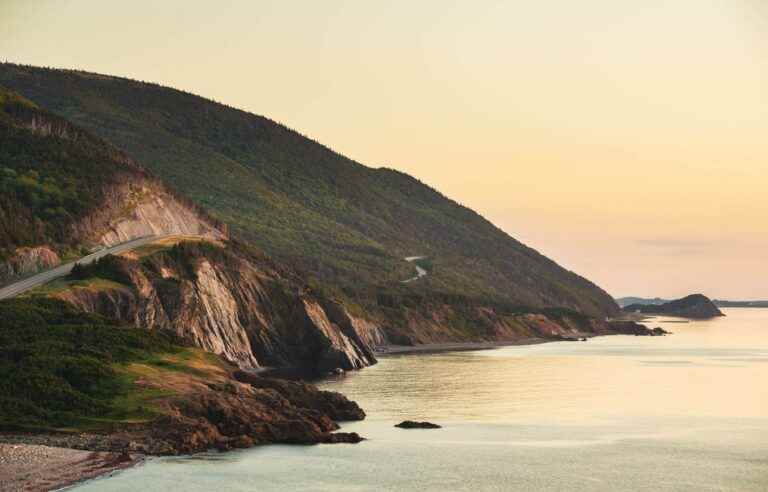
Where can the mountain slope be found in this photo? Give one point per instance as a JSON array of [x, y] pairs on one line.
[[348, 225]]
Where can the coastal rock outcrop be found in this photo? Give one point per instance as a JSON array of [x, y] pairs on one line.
[[239, 416], [224, 414], [247, 411]]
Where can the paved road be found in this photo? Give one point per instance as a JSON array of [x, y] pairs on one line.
[[63, 270], [420, 272]]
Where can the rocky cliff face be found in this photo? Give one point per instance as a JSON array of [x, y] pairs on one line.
[[26, 261], [145, 208], [233, 302]]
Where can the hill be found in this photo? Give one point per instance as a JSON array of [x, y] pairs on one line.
[[349, 226], [695, 306]]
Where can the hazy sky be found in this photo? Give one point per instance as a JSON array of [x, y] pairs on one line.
[[626, 139]]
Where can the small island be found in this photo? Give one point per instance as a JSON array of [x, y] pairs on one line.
[[695, 306]]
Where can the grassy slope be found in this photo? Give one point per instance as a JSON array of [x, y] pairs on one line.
[[347, 224], [67, 370]]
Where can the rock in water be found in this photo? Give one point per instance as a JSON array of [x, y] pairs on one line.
[[411, 424]]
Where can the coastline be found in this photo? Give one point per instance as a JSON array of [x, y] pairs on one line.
[[50, 461], [36, 467], [427, 348]]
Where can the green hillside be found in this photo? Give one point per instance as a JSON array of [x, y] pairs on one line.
[[52, 175], [346, 224]]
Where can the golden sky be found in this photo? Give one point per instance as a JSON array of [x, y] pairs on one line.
[[626, 139]]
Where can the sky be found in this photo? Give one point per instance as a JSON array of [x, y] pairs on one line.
[[627, 140]]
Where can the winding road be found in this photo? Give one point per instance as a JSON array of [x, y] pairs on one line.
[[41, 278], [420, 272]]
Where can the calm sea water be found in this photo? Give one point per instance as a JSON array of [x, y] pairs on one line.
[[683, 412]]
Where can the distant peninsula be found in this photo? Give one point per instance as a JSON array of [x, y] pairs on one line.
[[695, 306]]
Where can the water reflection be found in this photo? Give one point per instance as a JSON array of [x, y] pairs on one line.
[[681, 374]]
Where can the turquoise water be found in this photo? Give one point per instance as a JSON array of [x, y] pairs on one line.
[[684, 412]]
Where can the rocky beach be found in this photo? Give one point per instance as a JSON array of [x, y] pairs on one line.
[[36, 467]]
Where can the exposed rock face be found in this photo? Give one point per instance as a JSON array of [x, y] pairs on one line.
[[145, 209], [235, 304], [27, 261], [696, 306]]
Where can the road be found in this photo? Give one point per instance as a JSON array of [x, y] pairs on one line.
[[41, 278], [420, 272]]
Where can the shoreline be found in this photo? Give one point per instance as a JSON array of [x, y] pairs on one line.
[[428, 348], [36, 467]]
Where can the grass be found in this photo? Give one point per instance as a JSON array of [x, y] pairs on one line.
[[64, 369], [151, 382], [93, 284]]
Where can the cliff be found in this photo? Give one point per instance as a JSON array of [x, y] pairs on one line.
[[227, 299], [695, 306], [232, 300]]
